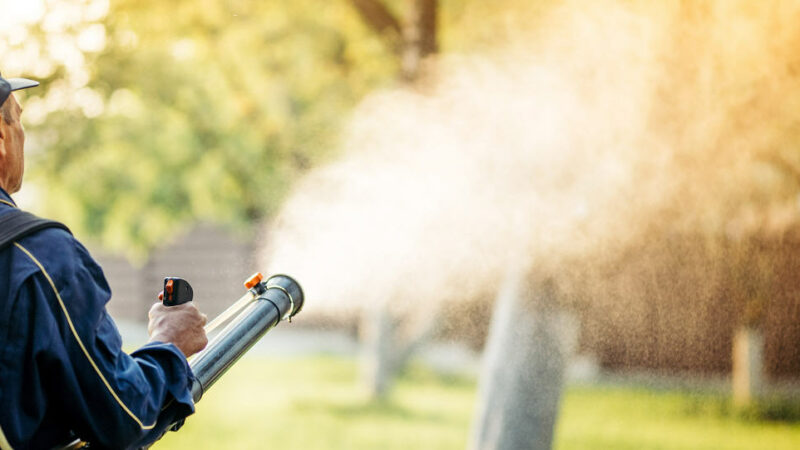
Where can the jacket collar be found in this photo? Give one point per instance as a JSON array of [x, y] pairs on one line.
[[6, 199]]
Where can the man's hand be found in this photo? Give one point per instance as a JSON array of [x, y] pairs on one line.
[[181, 325]]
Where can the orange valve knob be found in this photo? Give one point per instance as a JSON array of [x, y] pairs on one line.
[[176, 291], [254, 280]]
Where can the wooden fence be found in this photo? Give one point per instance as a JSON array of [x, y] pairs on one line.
[[212, 260]]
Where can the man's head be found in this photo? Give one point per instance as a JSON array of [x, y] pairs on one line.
[[12, 135]]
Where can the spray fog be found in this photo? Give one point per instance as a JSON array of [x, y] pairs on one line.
[[569, 144]]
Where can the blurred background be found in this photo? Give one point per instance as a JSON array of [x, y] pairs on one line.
[[518, 224]]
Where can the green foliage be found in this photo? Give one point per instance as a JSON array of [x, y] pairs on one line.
[[199, 109], [211, 109]]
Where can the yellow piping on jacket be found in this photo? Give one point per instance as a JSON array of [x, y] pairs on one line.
[[80, 343]]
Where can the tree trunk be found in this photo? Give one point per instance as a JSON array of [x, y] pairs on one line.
[[419, 38], [384, 354], [386, 351], [377, 337], [523, 372], [413, 40]]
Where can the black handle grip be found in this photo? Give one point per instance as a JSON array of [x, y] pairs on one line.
[[176, 291]]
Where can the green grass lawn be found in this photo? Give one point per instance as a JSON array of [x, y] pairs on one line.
[[316, 403]]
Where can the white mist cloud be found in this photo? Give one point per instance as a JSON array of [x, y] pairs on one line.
[[563, 150]]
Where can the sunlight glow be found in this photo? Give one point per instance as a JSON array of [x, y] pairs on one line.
[[16, 13]]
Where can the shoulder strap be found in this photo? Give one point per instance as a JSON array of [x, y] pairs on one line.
[[16, 224]]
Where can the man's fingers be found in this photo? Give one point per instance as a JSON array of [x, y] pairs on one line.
[[153, 310], [181, 325]]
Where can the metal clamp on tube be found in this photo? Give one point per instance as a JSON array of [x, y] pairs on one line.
[[281, 298]]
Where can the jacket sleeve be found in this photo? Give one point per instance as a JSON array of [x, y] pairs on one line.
[[109, 398]]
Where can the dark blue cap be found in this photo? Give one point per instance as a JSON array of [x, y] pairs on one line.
[[13, 84]]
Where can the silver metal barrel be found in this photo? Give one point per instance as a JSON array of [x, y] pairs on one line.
[[278, 298]]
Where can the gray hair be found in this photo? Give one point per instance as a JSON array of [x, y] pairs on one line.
[[5, 112]]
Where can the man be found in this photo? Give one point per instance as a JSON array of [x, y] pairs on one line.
[[62, 372]]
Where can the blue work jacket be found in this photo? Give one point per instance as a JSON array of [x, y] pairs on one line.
[[61, 366]]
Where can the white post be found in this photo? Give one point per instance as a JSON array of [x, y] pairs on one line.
[[748, 365]]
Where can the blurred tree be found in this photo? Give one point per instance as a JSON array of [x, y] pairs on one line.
[[412, 37], [201, 110], [410, 41], [207, 109]]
